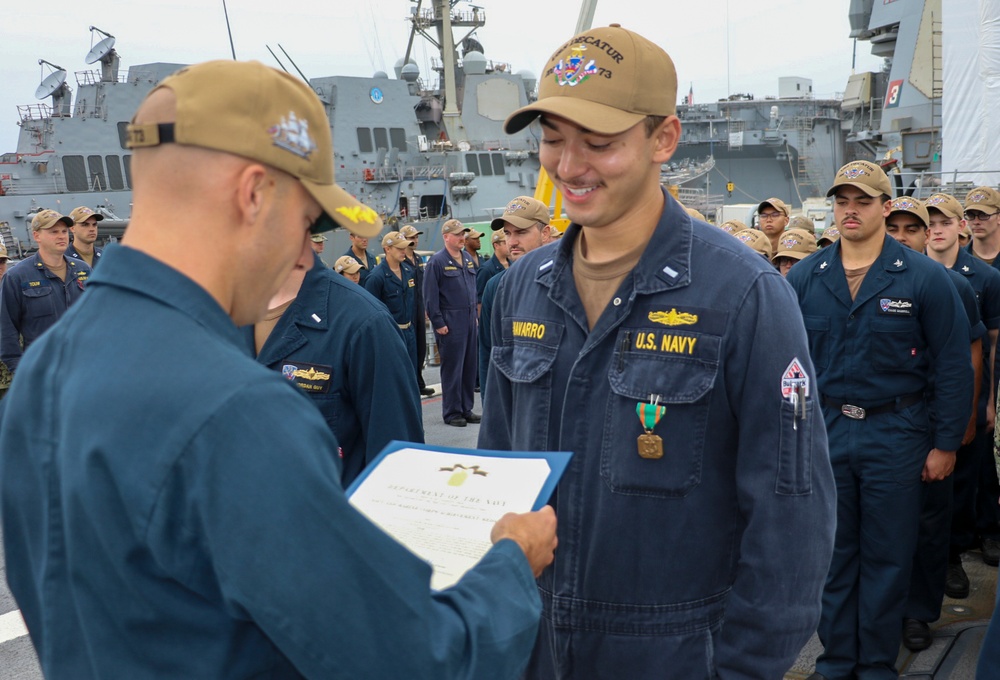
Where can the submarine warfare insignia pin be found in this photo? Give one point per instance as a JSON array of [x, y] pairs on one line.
[[650, 445]]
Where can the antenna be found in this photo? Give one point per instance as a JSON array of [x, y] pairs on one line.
[[229, 29], [52, 82], [102, 49], [293, 63], [276, 58]]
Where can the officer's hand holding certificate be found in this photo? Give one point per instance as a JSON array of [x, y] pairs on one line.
[[442, 503]]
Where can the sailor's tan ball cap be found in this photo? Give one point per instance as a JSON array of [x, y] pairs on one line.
[[605, 80], [251, 110], [863, 175], [983, 199], [946, 204]]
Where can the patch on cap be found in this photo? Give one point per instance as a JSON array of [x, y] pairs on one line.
[[605, 80], [863, 175], [83, 213], [757, 240], [347, 264], [47, 219], [946, 204], [732, 227], [522, 212], [453, 227], [984, 199], [279, 122]]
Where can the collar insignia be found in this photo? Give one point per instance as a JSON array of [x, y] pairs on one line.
[[898, 263]]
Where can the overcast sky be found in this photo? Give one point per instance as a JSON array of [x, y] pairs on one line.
[[719, 46]]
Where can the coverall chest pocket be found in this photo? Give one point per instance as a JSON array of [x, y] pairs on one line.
[[896, 344], [818, 332], [39, 301], [678, 370], [525, 357]]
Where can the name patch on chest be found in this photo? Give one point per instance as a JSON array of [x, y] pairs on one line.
[[527, 329], [309, 377], [895, 306], [667, 343]]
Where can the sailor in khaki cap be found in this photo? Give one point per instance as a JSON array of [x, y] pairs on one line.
[[348, 267], [38, 290], [757, 241], [214, 505], [884, 323], [634, 341], [982, 210], [85, 236], [772, 217]]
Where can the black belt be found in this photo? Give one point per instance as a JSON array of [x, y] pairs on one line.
[[860, 413]]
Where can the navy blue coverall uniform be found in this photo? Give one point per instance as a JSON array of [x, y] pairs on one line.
[[368, 264], [211, 514], [341, 348], [709, 561], [450, 296], [485, 328], [71, 252], [905, 331], [397, 294], [930, 560], [977, 512], [487, 271], [32, 298]]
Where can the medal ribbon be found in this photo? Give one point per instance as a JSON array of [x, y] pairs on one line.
[[649, 414]]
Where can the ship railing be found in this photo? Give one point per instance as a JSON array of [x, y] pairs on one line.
[[424, 172], [28, 112], [93, 77], [924, 183]]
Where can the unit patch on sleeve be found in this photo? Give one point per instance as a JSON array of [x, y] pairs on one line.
[[794, 381]]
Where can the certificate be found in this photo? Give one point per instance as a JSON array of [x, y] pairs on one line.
[[442, 503]]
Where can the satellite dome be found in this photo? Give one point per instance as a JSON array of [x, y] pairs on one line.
[[381, 75], [410, 73], [529, 78], [398, 67], [474, 63]]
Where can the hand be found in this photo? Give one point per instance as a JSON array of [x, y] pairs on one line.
[[441, 331], [970, 430], [939, 465], [535, 532]]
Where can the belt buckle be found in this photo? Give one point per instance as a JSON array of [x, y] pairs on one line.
[[852, 411]]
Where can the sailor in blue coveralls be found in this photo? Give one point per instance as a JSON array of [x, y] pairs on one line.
[[393, 282], [977, 492], [359, 251], [884, 325], [908, 223], [37, 291], [206, 534], [412, 234], [450, 297], [85, 236], [493, 266], [696, 517], [343, 350]]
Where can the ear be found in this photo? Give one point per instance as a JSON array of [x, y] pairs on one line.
[[666, 136], [886, 208], [254, 184]]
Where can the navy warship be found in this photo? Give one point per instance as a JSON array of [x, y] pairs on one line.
[[418, 148]]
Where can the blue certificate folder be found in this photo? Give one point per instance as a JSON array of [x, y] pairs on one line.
[[558, 460]]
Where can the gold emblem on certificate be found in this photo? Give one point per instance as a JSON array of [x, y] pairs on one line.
[[650, 445]]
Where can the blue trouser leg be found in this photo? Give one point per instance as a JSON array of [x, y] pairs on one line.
[[877, 464], [930, 559], [470, 367], [963, 520], [989, 655], [410, 337], [420, 331], [987, 507], [451, 348]]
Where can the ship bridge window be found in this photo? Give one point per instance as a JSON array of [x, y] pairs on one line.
[[398, 138], [365, 140], [485, 168], [114, 172], [472, 163], [123, 134], [75, 173], [128, 169], [98, 180], [381, 138], [497, 164]]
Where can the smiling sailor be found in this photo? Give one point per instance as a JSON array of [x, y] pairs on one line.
[[696, 520], [884, 325]]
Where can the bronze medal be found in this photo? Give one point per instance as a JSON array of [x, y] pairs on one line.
[[650, 446]]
